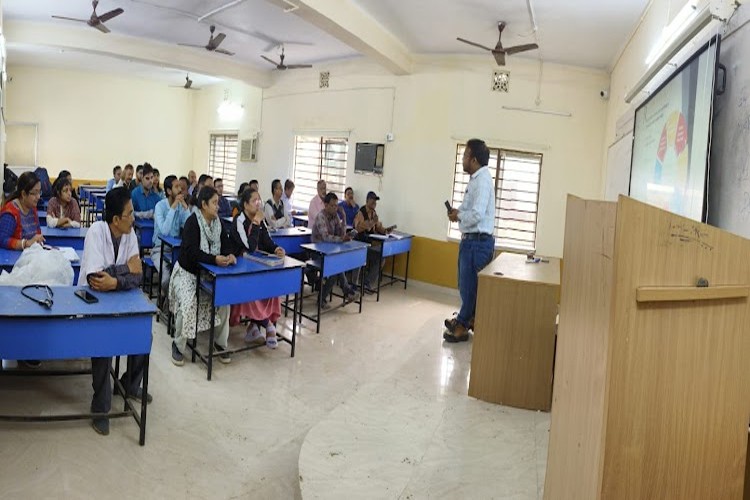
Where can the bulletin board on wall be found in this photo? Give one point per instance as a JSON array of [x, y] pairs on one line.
[[21, 143]]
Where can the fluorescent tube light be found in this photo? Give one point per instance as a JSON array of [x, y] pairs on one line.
[[540, 111]]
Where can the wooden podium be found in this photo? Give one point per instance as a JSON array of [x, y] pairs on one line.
[[652, 386], [514, 332]]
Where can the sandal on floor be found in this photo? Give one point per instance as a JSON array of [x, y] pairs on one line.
[[253, 336], [271, 342]]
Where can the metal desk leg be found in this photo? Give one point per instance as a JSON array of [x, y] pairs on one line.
[[213, 328], [320, 291], [144, 402], [380, 271], [406, 273]]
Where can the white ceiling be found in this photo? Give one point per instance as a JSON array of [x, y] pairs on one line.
[[586, 33]]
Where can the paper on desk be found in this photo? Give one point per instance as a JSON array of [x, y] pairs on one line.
[[69, 253], [392, 236]]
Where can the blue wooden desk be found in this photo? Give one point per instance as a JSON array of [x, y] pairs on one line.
[[245, 282], [8, 259], [96, 206], [390, 246], [118, 325], [291, 239], [299, 220], [144, 228], [332, 259], [66, 237]]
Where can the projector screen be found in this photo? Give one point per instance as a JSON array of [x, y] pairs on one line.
[[671, 138]]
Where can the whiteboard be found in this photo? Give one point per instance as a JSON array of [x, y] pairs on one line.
[[617, 177], [729, 181]]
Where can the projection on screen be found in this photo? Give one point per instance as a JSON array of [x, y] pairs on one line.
[[671, 138]]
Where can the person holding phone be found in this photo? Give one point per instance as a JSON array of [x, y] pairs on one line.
[[476, 221], [329, 226], [366, 223], [111, 261], [248, 234], [203, 241]]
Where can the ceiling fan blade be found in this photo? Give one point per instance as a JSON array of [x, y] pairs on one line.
[[101, 27], [217, 40], [225, 52], [192, 45], [520, 48], [109, 15], [71, 19], [298, 66], [271, 61], [474, 44]]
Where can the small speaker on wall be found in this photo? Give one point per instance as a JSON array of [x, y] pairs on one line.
[[249, 149]]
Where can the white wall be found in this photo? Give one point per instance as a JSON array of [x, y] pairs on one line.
[[443, 102], [89, 122]]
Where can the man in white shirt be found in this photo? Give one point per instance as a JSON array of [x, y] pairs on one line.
[[111, 261], [274, 209], [286, 198], [317, 204], [476, 221]]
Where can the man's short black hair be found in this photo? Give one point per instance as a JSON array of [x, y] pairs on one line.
[[114, 170], [288, 184], [115, 202], [348, 189], [183, 178], [479, 151], [330, 196], [171, 179], [254, 181], [147, 169], [218, 179], [202, 179], [139, 168], [274, 183], [242, 188]]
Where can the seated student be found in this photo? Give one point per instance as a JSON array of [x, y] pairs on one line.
[[236, 209], [317, 203], [225, 209], [64, 174], [203, 241], [274, 208], [116, 174], [286, 197], [185, 185], [350, 206], [62, 209], [144, 196], [170, 215], [329, 226], [253, 184], [366, 223], [19, 222], [111, 261], [126, 180], [192, 183], [138, 175], [157, 183], [248, 234]]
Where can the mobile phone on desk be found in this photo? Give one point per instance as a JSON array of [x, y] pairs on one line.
[[390, 228], [448, 206], [86, 296]]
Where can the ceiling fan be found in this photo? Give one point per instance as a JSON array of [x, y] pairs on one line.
[[96, 21], [213, 43], [188, 84], [281, 66], [499, 52]]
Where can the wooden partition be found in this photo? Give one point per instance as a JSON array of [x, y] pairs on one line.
[[652, 388]]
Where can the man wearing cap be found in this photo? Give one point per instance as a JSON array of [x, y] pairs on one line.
[[476, 221], [366, 223]]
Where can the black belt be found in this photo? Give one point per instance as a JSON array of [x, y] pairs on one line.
[[476, 236]]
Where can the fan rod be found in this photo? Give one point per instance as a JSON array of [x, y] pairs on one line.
[[219, 9], [565, 114]]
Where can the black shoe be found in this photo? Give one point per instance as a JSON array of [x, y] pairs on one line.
[[138, 396], [101, 426], [224, 357], [177, 358]]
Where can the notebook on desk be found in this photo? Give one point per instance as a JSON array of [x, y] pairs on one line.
[[265, 258]]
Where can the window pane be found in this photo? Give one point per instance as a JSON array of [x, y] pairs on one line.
[[318, 158], [222, 159]]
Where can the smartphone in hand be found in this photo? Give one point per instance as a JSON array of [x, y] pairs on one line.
[[448, 206]]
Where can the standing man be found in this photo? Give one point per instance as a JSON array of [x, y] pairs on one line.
[[225, 209], [476, 221], [116, 174], [286, 198], [169, 219], [111, 261], [274, 209], [145, 196], [317, 204], [192, 182]]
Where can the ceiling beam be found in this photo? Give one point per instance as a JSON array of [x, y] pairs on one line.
[[346, 22], [136, 49]]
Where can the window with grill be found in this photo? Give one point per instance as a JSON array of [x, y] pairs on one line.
[[516, 175], [315, 158], [222, 159]]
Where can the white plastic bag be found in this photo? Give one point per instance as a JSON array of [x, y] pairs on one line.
[[39, 266]]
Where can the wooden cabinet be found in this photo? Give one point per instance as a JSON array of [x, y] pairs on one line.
[[514, 332], [652, 386]]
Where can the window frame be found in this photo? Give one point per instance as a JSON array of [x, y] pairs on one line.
[[328, 165], [230, 183], [498, 170]]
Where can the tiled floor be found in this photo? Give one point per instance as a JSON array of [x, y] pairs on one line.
[[375, 406]]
